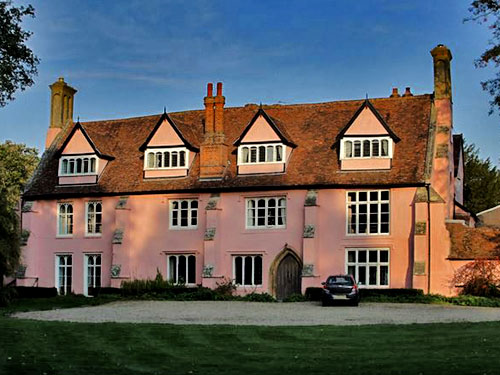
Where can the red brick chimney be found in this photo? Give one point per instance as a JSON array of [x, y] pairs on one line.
[[61, 108], [442, 175], [214, 150]]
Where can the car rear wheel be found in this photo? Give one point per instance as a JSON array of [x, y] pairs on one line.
[[356, 303], [325, 303]]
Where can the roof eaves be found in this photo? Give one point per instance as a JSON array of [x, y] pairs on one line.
[[79, 126]]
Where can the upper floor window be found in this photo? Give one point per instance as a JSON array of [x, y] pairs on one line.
[[368, 212], [258, 154], [77, 165], [65, 219], [184, 213], [94, 218], [166, 158], [361, 147], [266, 212]]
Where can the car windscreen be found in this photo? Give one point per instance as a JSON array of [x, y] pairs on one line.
[[340, 280]]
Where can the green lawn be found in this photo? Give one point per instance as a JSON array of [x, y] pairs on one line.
[[29, 347]]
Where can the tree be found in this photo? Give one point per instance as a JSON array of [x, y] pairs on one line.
[[18, 64], [482, 181], [17, 163], [488, 12]]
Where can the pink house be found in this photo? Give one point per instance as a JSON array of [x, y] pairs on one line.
[[273, 197]]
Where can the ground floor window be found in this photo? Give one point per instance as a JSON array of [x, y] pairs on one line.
[[64, 273], [247, 270], [370, 267], [181, 269], [92, 273]]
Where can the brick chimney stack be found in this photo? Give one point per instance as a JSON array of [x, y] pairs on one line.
[[61, 108], [214, 150], [442, 175]]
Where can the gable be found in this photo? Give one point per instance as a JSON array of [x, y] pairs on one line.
[[78, 144], [260, 131], [165, 135], [366, 124]]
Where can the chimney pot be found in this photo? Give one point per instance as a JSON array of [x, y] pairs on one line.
[[210, 89], [407, 92], [395, 93], [219, 88]]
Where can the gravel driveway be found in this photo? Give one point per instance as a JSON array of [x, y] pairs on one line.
[[272, 314]]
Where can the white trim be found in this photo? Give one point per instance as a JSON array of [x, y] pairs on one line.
[[257, 162], [96, 234], [189, 212], [177, 256], [266, 209], [243, 256], [56, 274], [371, 139], [85, 271], [75, 157], [58, 226], [368, 202], [367, 265], [488, 210], [163, 150]]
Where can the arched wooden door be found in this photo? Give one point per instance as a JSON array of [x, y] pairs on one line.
[[288, 277]]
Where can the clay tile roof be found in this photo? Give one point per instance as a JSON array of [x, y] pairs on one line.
[[471, 243], [312, 127]]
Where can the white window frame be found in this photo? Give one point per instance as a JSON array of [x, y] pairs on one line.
[[58, 224], [257, 145], [379, 202], [361, 139], [75, 158], [244, 257], [266, 208], [190, 213], [162, 151], [86, 272], [57, 270], [367, 265], [94, 223], [177, 256]]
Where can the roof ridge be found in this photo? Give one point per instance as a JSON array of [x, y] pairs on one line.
[[265, 106]]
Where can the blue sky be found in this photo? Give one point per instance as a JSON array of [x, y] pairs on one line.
[[132, 58]]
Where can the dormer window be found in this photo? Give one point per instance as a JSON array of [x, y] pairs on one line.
[[366, 147], [261, 154], [171, 158], [78, 165]]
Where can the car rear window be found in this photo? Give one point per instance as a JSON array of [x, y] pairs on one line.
[[340, 280]]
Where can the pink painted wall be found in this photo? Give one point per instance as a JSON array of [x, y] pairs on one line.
[[366, 123], [260, 131], [72, 180], [165, 136], [261, 168], [360, 164], [78, 145], [148, 239], [158, 173]]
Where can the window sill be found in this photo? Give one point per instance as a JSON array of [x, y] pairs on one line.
[[264, 230], [361, 235], [183, 228], [93, 235]]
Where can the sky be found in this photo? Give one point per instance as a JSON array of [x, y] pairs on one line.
[[133, 58]]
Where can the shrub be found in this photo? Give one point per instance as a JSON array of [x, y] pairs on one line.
[[258, 297], [101, 291], [151, 287], [35, 292], [479, 278], [314, 294], [297, 297], [393, 292], [7, 294], [225, 288]]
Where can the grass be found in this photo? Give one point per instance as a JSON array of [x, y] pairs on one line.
[[31, 347]]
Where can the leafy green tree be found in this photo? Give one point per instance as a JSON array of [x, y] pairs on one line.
[[17, 163], [18, 64], [488, 12], [482, 181]]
